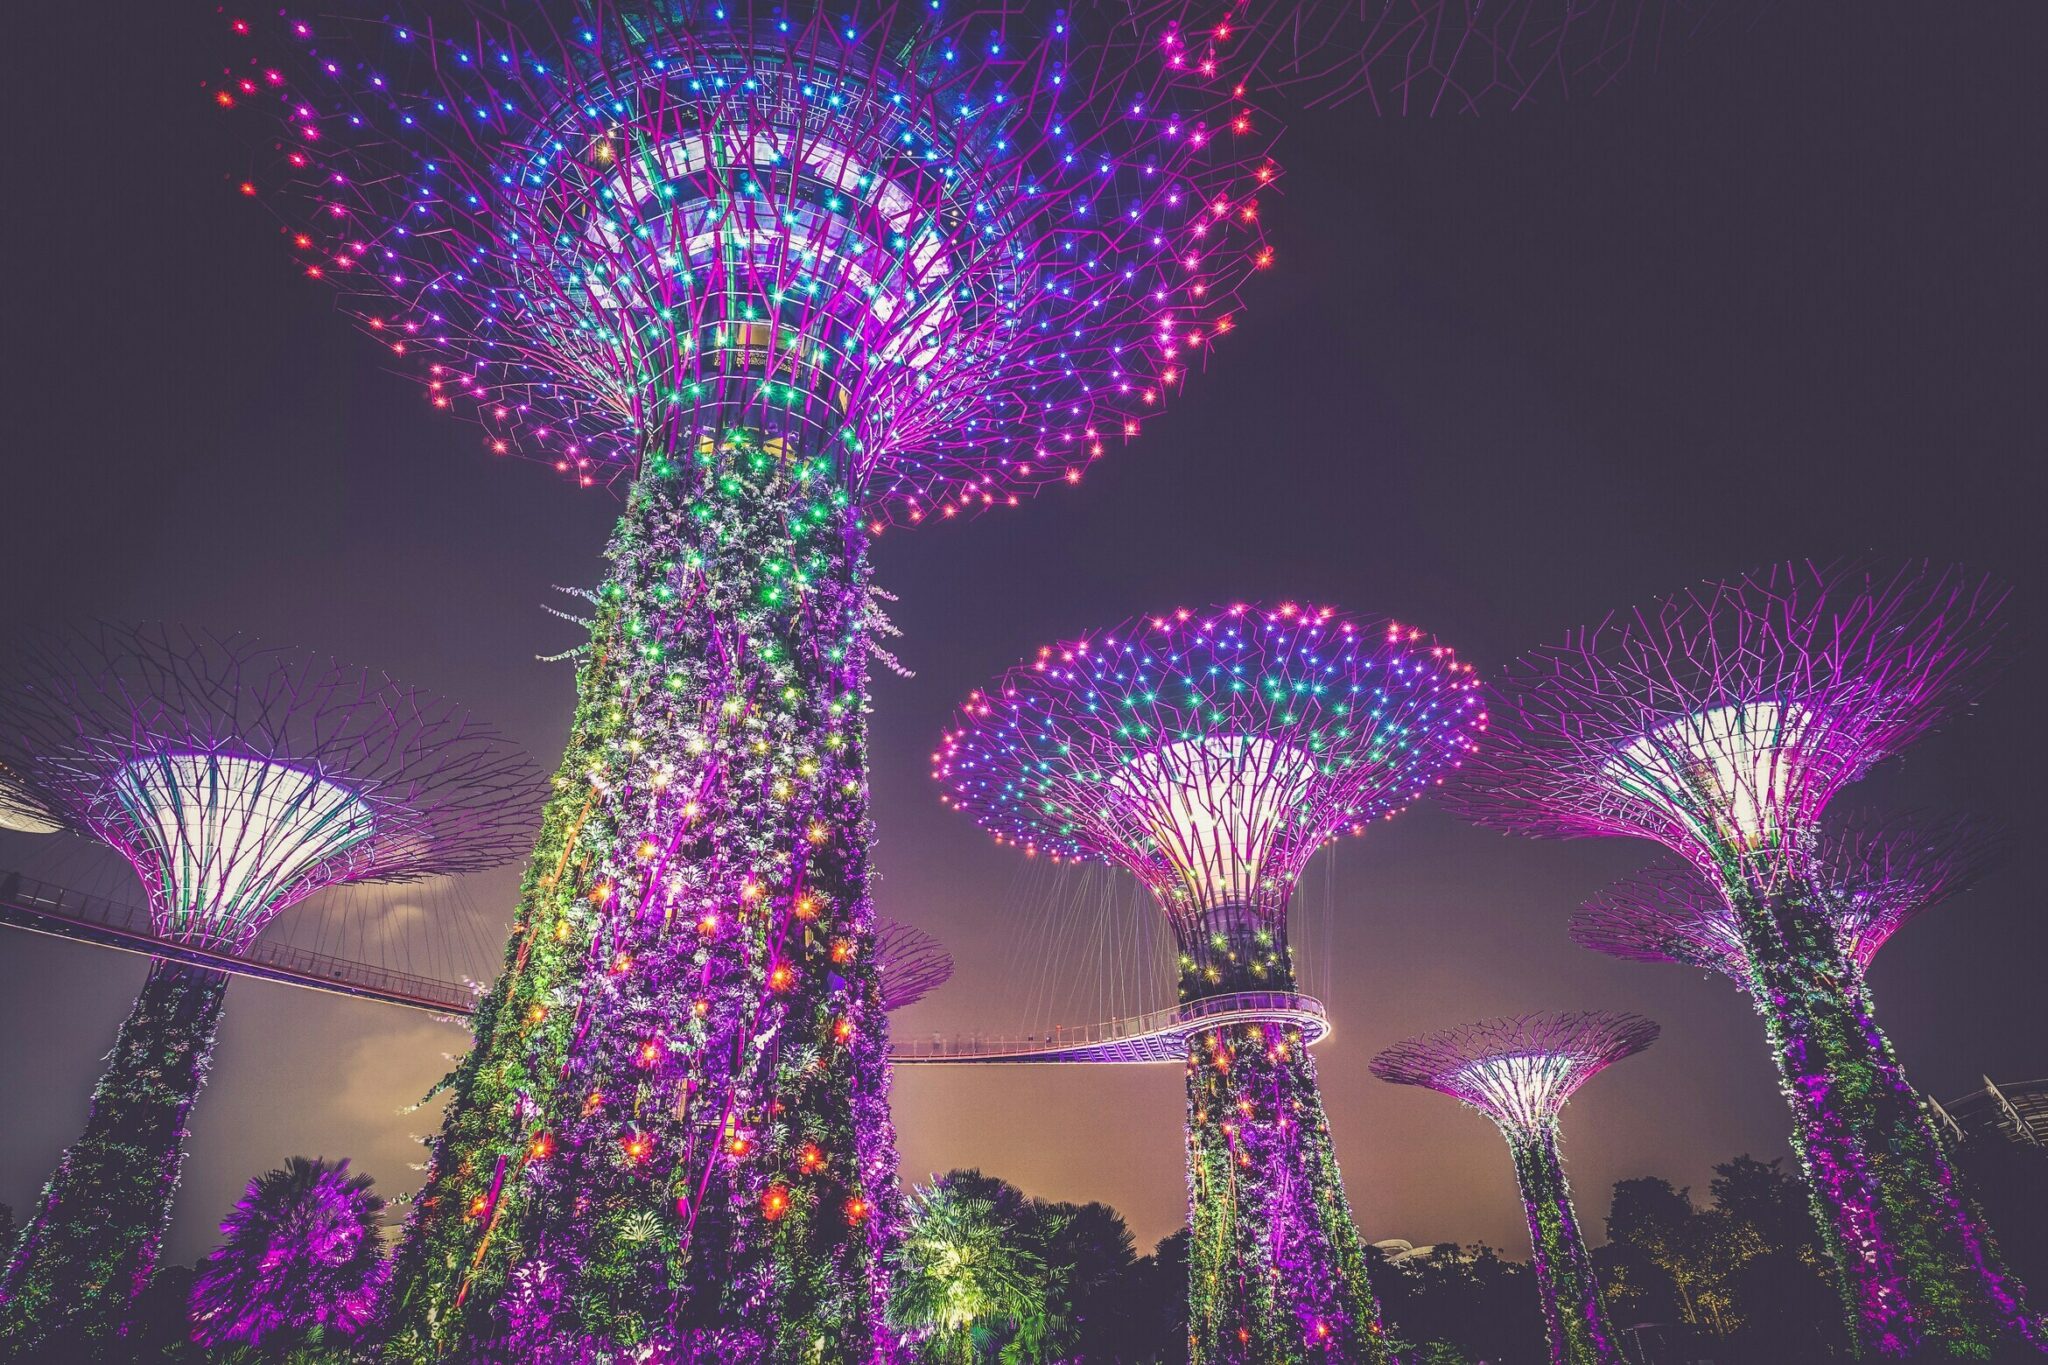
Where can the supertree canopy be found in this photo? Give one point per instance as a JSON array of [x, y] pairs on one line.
[[236, 779], [1720, 723], [1875, 874], [1519, 1072], [797, 274], [1211, 754], [913, 963]]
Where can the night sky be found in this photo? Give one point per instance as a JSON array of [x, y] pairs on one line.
[[1785, 300]]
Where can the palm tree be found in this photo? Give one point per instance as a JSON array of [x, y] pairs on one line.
[[300, 1261], [966, 1272]]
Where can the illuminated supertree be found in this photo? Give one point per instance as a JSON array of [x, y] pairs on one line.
[[794, 274], [1519, 1072], [913, 964], [1720, 723], [236, 779], [1455, 57], [1874, 875], [1211, 754]]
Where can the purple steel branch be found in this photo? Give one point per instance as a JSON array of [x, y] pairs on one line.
[[1720, 721], [914, 964]]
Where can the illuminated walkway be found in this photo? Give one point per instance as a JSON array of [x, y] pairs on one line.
[[1159, 1037]]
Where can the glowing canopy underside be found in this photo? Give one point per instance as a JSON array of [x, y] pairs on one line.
[[1729, 773], [225, 842], [1519, 1071], [1212, 753], [1215, 808]]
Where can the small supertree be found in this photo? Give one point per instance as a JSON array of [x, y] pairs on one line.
[[1211, 754], [1519, 1072], [1720, 723], [790, 275], [236, 779], [1875, 875], [300, 1259], [913, 963]]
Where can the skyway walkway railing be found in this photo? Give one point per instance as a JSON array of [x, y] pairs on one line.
[[39, 907], [1159, 1037]]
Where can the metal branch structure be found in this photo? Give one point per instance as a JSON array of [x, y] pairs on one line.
[[1519, 1072], [236, 778], [1211, 754], [1455, 58], [792, 275], [1720, 723], [913, 963], [1876, 875]]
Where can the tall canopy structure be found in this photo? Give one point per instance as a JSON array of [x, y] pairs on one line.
[[1211, 754], [1519, 1072], [1720, 723], [1876, 875], [237, 779], [789, 275]]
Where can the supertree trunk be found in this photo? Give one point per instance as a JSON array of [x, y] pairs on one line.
[[1276, 1266], [1916, 1267], [92, 1244], [1572, 1314], [673, 1125]]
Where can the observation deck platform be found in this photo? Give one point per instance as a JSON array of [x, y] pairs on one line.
[[1159, 1037]]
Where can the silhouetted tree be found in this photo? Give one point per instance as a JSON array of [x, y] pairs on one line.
[[1460, 1306]]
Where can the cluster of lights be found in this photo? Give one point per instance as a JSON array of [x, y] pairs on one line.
[[1212, 753], [956, 272]]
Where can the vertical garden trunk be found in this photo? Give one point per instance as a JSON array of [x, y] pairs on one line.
[[1276, 1267], [673, 1126], [91, 1245], [1915, 1265], [1572, 1314]]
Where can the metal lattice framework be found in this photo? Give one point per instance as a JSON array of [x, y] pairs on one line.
[[958, 252], [1453, 57], [1519, 1070], [1876, 873], [1721, 721], [914, 964], [237, 778], [1212, 753]]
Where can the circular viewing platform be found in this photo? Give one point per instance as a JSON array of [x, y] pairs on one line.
[[1161, 1036]]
